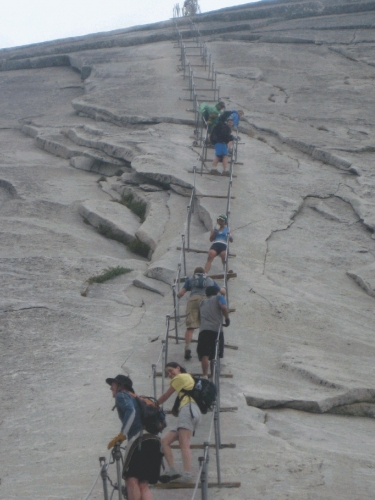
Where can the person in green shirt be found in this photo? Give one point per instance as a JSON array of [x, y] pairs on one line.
[[189, 417]]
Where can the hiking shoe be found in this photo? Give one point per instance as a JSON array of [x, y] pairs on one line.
[[185, 478], [214, 171], [165, 478], [187, 354], [225, 172]]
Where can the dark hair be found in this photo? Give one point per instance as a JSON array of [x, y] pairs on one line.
[[173, 364], [199, 269], [211, 291]]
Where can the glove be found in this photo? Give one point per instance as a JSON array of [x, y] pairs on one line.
[[227, 322], [113, 441]]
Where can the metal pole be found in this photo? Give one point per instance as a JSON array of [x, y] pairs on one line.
[[163, 363], [117, 456], [183, 253], [154, 379], [175, 299], [103, 473]]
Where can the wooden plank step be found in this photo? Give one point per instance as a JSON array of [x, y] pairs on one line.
[[201, 446], [215, 276], [222, 375], [227, 346], [208, 173], [174, 485], [223, 409]]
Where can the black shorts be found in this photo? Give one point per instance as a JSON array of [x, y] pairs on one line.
[[144, 464], [206, 344], [218, 247]]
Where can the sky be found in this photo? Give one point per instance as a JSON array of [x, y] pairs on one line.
[[31, 21]]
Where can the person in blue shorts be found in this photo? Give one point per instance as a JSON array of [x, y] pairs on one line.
[[222, 138], [219, 236]]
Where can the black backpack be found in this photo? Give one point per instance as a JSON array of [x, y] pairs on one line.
[[204, 393], [224, 116], [152, 415]]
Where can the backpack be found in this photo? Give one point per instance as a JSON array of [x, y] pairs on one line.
[[204, 393], [224, 116], [213, 136], [203, 111], [199, 280], [152, 415]]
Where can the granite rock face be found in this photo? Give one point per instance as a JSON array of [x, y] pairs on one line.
[[96, 160]]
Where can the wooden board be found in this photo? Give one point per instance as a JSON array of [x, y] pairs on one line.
[[222, 375], [175, 485], [201, 446], [227, 346], [215, 276]]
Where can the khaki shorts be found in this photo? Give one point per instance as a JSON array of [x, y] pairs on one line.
[[192, 311]]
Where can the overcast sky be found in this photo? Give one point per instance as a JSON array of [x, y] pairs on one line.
[[31, 21]]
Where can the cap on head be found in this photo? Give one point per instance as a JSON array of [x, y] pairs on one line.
[[199, 270], [223, 217], [122, 380], [230, 119], [210, 291]]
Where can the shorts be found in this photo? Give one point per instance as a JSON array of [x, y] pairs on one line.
[[192, 311], [144, 464], [189, 417], [218, 247], [206, 344], [221, 149]]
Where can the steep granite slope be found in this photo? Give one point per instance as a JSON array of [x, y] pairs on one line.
[[89, 122]]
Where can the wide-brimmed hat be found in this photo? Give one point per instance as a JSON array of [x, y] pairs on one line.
[[122, 380]]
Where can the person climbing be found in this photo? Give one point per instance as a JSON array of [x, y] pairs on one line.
[[196, 285], [189, 417], [211, 113], [212, 310], [219, 236], [222, 138], [142, 461]]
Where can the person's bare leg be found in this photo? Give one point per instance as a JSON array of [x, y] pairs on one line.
[[223, 256], [145, 491], [188, 336], [184, 436], [132, 486], [211, 255], [225, 163], [205, 364], [166, 442]]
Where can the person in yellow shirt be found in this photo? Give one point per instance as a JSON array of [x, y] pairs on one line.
[[189, 417]]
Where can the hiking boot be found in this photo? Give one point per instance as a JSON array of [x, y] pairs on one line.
[[187, 354], [165, 478], [186, 478]]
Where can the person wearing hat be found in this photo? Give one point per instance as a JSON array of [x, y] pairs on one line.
[[212, 309], [196, 285], [222, 139], [219, 236], [143, 455]]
